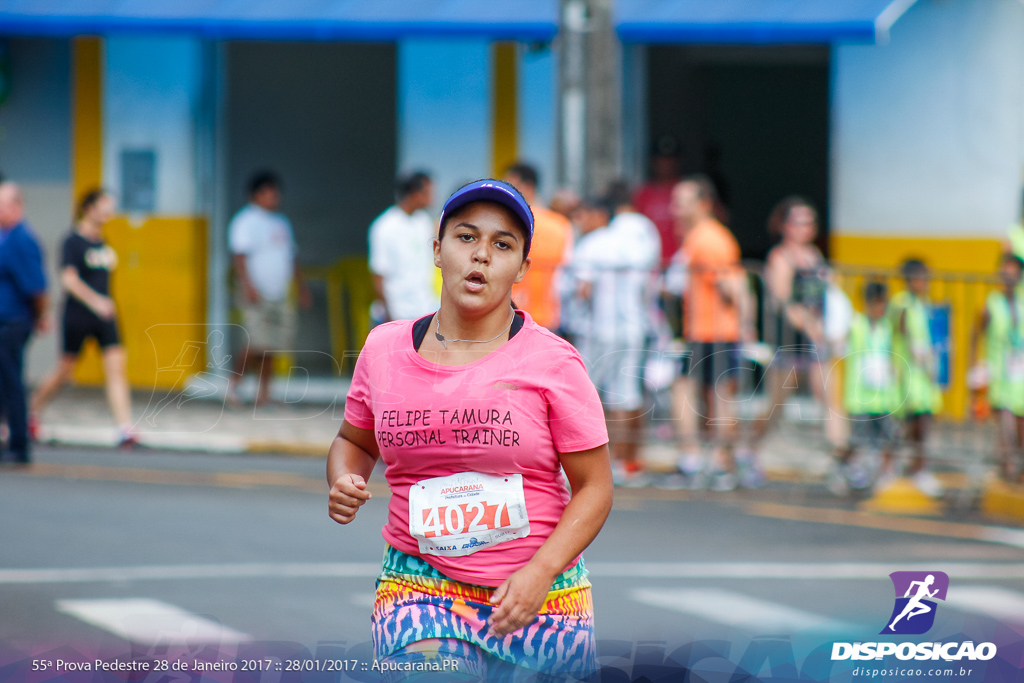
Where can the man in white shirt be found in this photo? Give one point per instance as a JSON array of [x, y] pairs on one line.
[[616, 266], [401, 243], [263, 253]]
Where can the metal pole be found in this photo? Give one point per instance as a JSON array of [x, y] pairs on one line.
[[572, 109]]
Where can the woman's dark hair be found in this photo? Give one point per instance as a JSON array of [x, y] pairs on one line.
[[780, 214], [88, 200]]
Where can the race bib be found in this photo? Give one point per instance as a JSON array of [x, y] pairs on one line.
[[877, 370], [466, 512]]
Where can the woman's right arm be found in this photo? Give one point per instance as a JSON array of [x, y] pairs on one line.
[[350, 462]]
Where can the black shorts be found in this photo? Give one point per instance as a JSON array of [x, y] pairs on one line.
[[80, 327], [713, 361]]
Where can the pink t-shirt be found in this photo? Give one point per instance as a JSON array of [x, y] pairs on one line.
[[510, 412]]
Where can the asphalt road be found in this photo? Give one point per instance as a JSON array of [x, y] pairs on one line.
[[88, 536]]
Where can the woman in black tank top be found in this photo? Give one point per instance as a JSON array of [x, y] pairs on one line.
[[89, 312], [796, 280]]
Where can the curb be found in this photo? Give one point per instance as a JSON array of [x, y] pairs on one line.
[[901, 497], [305, 449], [106, 437], [1003, 501]]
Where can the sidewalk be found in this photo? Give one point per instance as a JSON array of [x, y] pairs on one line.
[[794, 455], [178, 421]]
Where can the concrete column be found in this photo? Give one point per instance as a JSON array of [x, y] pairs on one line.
[[604, 98], [572, 101], [590, 106]]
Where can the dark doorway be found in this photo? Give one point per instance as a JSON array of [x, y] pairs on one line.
[[324, 117], [755, 119]]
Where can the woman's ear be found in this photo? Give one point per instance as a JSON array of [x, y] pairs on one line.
[[437, 252], [524, 268]]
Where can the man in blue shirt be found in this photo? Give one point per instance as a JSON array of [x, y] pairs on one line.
[[22, 308]]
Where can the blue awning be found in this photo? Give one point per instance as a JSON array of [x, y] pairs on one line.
[[367, 20], [757, 21]]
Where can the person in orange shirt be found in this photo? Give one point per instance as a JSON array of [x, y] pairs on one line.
[[716, 311], [552, 249]]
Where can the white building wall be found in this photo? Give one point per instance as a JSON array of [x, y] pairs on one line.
[[928, 130], [444, 111], [151, 92], [537, 97]]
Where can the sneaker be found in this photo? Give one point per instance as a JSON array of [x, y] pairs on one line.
[[928, 484], [690, 463], [752, 476], [836, 480], [697, 481], [672, 482], [886, 476], [630, 478], [637, 480], [128, 442], [691, 467], [722, 481], [857, 475]]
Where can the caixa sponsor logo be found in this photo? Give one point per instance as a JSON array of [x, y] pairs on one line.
[[950, 652]]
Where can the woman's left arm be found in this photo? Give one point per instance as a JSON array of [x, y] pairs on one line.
[[522, 595]]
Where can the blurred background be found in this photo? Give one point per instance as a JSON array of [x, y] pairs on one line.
[[900, 121]]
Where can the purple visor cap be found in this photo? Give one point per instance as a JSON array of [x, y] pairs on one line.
[[492, 191]]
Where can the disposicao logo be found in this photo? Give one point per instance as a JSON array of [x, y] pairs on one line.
[[916, 592], [914, 614]]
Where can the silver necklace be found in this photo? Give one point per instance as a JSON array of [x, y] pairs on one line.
[[444, 342]]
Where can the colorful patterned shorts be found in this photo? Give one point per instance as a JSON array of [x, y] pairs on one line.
[[421, 615]]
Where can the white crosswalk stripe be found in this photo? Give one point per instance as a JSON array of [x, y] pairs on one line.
[[150, 622], [738, 610], [1000, 603]]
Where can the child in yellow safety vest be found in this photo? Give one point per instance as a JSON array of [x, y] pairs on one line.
[[871, 392], [1002, 323], [910, 312]]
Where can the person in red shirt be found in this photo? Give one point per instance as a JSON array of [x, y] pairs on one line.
[[654, 198]]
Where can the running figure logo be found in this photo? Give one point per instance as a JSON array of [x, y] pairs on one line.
[[914, 612]]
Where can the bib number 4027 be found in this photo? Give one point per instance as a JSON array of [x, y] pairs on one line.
[[464, 518], [466, 512]]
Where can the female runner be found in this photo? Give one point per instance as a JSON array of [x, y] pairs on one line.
[[796, 278], [477, 411], [89, 311]]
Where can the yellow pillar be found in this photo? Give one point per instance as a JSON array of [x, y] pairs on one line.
[[86, 154], [87, 117], [504, 117]]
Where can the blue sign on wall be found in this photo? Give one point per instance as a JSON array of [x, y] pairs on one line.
[[938, 324]]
